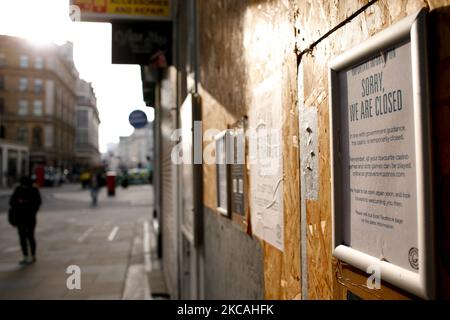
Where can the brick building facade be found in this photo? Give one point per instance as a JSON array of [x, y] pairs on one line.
[[38, 98]]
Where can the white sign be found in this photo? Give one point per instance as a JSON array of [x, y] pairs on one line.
[[266, 162], [378, 158], [381, 172], [222, 173]]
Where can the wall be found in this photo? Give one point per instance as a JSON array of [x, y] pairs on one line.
[[244, 42], [327, 278], [233, 261], [241, 44], [169, 223]]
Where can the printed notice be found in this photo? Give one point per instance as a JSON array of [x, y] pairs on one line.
[[266, 171], [378, 158]]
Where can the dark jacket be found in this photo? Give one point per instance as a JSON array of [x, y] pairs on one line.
[[26, 201]]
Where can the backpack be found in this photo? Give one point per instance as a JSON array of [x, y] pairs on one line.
[[12, 217], [22, 205]]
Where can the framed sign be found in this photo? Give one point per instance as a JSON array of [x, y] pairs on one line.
[[381, 167], [191, 171], [223, 172], [144, 43], [238, 173]]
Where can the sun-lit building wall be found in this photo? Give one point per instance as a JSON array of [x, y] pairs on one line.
[[37, 99]]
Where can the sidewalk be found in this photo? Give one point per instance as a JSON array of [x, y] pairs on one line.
[[5, 192], [113, 245]]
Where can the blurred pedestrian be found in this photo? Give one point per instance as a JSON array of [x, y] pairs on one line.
[[95, 185], [25, 203]]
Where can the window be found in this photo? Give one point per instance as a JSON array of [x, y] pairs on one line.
[[37, 137], [37, 108], [2, 60], [22, 134], [38, 85], [39, 63], [82, 137], [24, 61], [2, 132], [23, 107], [48, 135], [82, 119], [23, 84]]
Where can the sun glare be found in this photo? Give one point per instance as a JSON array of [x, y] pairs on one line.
[[47, 21], [39, 21]]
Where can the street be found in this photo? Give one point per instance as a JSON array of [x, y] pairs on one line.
[[112, 244]]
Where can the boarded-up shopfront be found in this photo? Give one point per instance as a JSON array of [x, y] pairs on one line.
[[269, 61]]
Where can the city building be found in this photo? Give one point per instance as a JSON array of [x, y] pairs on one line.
[[87, 123], [136, 150], [14, 159], [37, 99], [110, 158]]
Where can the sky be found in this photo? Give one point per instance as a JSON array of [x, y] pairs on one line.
[[118, 88]]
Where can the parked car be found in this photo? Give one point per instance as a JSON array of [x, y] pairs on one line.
[[85, 179], [138, 176]]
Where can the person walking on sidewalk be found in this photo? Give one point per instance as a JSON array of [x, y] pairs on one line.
[[95, 185], [25, 203]]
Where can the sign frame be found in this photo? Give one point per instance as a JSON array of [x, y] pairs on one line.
[[411, 29], [224, 137], [238, 131], [191, 173]]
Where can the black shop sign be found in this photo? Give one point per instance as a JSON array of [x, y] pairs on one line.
[[143, 43]]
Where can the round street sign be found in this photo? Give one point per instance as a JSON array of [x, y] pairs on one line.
[[138, 119]]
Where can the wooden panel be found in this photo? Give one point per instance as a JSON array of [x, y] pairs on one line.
[[214, 116], [318, 213], [347, 278], [315, 18], [222, 73], [244, 43], [282, 270]]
